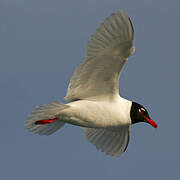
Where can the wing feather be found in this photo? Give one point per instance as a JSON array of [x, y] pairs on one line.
[[107, 52], [113, 143]]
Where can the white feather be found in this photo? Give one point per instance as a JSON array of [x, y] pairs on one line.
[[112, 142], [47, 111], [107, 52]]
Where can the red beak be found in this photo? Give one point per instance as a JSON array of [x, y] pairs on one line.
[[151, 122]]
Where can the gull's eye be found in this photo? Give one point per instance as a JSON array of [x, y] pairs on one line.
[[142, 110]]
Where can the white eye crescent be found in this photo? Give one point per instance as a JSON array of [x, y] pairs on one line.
[[142, 109]]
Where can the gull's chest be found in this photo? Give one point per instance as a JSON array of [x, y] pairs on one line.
[[99, 114]]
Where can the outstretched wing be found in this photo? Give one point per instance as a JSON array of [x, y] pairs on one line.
[[107, 51], [113, 143]]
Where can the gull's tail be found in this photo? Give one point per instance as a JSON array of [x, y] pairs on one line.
[[44, 119]]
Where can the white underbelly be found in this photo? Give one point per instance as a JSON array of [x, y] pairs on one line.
[[97, 114]]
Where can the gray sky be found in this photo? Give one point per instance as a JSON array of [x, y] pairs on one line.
[[41, 42]]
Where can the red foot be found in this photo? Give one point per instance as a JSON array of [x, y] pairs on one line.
[[45, 121]]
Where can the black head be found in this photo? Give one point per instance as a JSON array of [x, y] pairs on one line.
[[139, 114]]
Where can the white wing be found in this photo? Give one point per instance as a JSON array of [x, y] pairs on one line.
[[113, 143], [107, 51]]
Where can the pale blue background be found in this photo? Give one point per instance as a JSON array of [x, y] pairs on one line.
[[41, 42]]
